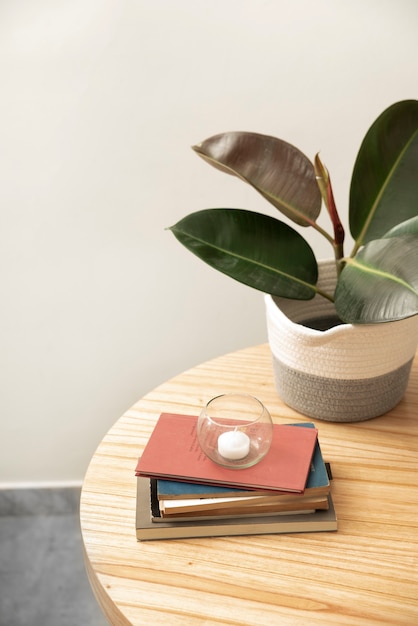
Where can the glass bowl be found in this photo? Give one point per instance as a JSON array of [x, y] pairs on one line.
[[235, 430]]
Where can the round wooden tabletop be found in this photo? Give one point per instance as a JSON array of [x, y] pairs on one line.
[[365, 573]]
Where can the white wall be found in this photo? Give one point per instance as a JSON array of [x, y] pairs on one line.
[[99, 103]]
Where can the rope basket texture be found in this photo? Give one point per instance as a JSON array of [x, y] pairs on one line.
[[347, 373]]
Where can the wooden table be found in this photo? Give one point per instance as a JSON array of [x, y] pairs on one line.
[[365, 573]]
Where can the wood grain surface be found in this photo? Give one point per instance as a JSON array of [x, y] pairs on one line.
[[365, 573]]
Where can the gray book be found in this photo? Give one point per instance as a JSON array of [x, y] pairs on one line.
[[147, 529]]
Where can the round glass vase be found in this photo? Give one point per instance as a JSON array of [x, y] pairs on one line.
[[235, 430]]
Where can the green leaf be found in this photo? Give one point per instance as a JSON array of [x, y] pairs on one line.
[[377, 285], [384, 185], [280, 172], [409, 227], [252, 248]]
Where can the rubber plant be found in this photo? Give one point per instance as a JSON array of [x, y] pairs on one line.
[[378, 279]]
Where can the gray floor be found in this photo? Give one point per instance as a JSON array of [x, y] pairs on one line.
[[42, 576]]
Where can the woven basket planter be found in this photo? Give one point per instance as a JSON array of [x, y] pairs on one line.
[[348, 373]]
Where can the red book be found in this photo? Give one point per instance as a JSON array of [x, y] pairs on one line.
[[173, 453]]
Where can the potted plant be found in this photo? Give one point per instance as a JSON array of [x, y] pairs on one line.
[[344, 372]]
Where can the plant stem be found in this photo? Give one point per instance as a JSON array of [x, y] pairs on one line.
[[325, 187], [323, 232], [324, 294], [339, 233]]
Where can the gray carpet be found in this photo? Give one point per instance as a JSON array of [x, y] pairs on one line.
[[42, 576]]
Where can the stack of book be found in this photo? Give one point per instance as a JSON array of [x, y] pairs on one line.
[[182, 493]]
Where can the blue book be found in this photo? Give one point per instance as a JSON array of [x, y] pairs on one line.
[[318, 482]]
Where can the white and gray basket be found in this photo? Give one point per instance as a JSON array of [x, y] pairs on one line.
[[348, 373]]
